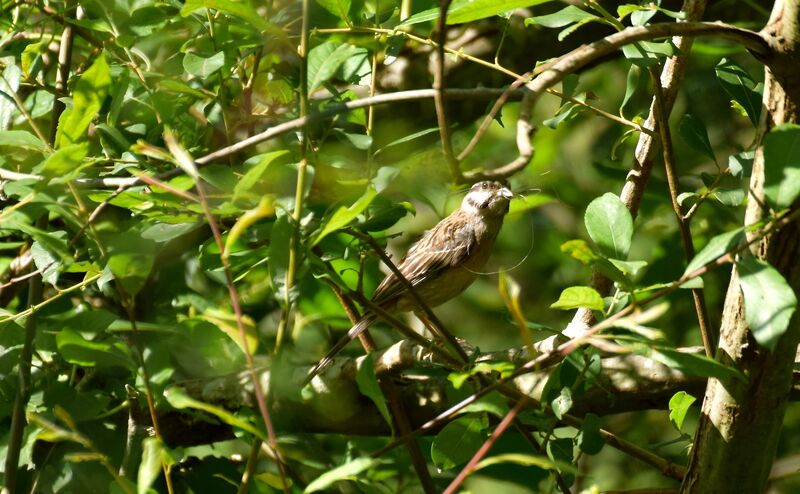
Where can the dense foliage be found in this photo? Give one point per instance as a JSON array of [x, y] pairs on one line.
[[161, 303]]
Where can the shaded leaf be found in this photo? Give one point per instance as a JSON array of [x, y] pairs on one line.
[[130, 259], [203, 67], [369, 387], [178, 398], [741, 87], [339, 8], [694, 133], [692, 363], [458, 441], [563, 17], [589, 439], [76, 350]]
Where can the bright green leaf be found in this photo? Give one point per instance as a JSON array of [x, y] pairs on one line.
[[579, 296], [782, 165], [76, 350], [21, 139], [610, 225], [154, 455], [344, 216], [348, 471], [563, 17], [562, 403], [339, 8], [678, 407], [203, 67], [325, 59], [716, 247], [87, 98], [468, 11], [692, 363], [769, 301]]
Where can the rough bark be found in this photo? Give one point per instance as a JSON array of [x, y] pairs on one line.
[[738, 432]]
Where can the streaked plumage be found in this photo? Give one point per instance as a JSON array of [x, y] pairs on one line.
[[444, 262]]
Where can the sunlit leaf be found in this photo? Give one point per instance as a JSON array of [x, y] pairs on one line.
[[87, 97], [178, 398], [769, 301], [345, 215], [678, 407], [610, 225], [782, 165], [579, 296], [348, 471]]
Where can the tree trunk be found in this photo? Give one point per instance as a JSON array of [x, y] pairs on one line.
[[741, 420]]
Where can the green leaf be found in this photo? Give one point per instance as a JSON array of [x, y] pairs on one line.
[[716, 247], [467, 11], [348, 471], [154, 455], [458, 441], [610, 225], [741, 87], [339, 8], [589, 439], [46, 262], [632, 83], [579, 296], [325, 59], [678, 407], [9, 84], [21, 139], [769, 301], [692, 363], [645, 53], [525, 460], [76, 350], [344, 216], [255, 174], [782, 165], [178, 398], [694, 133], [369, 387], [130, 259], [65, 163], [242, 10], [563, 17], [87, 98], [203, 67]]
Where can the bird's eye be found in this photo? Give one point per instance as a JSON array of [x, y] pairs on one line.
[[484, 185]]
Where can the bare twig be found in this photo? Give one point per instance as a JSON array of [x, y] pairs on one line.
[[698, 296], [438, 98]]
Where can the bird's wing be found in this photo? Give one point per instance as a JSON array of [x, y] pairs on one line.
[[447, 245]]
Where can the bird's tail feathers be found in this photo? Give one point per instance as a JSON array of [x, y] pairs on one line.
[[352, 334]]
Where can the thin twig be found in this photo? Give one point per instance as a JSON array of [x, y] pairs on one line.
[[439, 100], [698, 295]]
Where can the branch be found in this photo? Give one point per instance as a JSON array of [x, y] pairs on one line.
[[586, 54]]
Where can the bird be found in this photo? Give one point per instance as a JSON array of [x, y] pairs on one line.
[[442, 264]]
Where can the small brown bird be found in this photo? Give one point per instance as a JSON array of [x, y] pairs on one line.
[[443, 263]]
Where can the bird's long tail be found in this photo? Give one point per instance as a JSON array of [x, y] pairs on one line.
[[356, 330]]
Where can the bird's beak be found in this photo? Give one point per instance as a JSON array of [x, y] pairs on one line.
[[506, 193]]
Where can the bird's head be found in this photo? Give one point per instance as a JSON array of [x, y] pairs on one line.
[[487, 198]]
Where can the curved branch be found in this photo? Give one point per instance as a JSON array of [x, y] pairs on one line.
[[586, 54]]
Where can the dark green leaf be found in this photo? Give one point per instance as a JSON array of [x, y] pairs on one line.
[[694, 133], [589, 440], [76, 350], [458, 441], [610, 225], [769, 301], [782, 165], [339, 8], [131, 259], [741, 87], [325, 59], [645, 53], [178, 398]]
